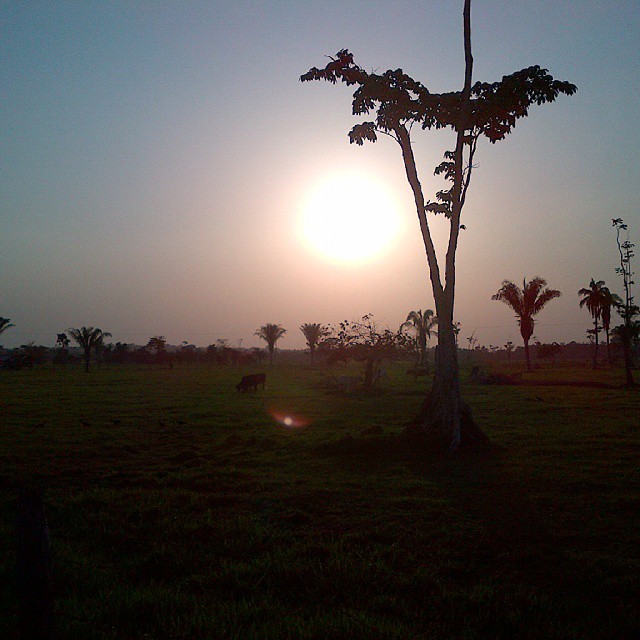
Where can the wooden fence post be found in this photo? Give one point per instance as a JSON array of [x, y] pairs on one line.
[[34, 568]]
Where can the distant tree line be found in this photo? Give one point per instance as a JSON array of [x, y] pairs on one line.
[[363, 341]]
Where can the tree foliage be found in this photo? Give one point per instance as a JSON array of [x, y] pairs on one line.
[[629, 331], [421, 324], [89, 339], [157, 344], [270, 333], [491, 109], [364, 342], [526, 303], [598, 300], [5, 324], [313, 333]]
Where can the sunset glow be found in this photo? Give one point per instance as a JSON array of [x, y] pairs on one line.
[[349, 218], [167, 173]]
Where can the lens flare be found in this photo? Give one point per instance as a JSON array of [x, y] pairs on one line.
[[288, 419]]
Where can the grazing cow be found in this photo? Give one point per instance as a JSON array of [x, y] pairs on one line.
[[251, 382]]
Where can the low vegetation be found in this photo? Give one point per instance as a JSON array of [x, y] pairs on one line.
[[179, 508]]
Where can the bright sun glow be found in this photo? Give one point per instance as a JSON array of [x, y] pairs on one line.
[[349, 218]]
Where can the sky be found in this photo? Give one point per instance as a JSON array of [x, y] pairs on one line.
[[157, 159]]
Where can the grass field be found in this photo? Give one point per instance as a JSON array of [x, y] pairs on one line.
[[181, 509]]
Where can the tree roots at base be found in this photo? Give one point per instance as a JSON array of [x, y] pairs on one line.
[[434, 427]]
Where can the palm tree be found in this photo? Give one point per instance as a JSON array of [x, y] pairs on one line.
[[609, 300], [313, 333], [422, 324], [89, 339], [5, 324], [526, 302], [593, 298], [270, 333]]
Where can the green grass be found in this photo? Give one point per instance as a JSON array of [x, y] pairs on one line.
[[181, 509]]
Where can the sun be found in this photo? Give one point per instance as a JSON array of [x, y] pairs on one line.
[[349, 218]]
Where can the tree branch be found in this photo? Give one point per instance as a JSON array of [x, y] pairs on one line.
[[412, 176], [458, 174]]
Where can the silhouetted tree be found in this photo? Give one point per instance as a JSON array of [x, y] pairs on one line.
[[594, 299], [481, 109], [421, 323], [526, 302], [509, 348], [5, 324], [188, 352], [313, 333], [270, 333], [609, 300], [473, 341], [62, 355], [157, 345], [120, 352], [363, 342], [62, 340], [629, 330], [550, 351], [89, 339]]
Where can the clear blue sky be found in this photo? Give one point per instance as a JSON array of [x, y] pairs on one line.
[[155, 156]]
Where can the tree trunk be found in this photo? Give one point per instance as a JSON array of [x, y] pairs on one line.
[[628, 360], [423, 352], [526, 353], [595, 350], [444, 418], [87, 359]]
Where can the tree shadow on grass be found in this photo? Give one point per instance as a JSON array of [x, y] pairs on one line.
[[504, 523]]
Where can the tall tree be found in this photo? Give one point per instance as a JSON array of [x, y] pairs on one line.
[[482, 109], [89, 339], [5, 324], [526, 302], [609, 300], [627, 310], [422, 324], [593, 298], [270, 333], [313, 333], [62, 341]]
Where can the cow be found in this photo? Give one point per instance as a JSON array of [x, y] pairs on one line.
[[251, 382]]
